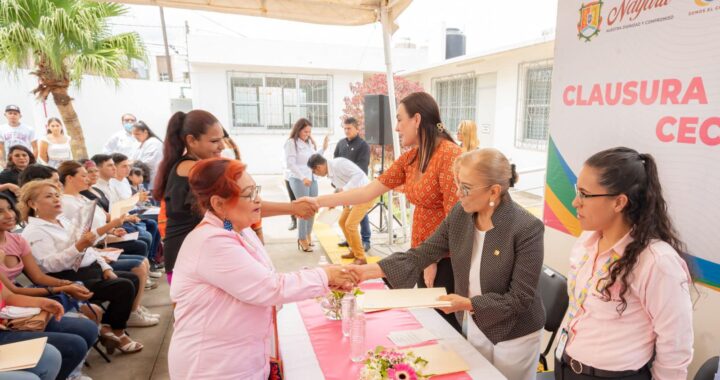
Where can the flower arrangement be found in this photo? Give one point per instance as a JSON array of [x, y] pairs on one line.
[[388, 364], [331, 303]]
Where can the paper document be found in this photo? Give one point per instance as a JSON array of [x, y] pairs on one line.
[[441, 360], [13, 312], [329, 216], [130, 236], [411, 337], [118, 208], [151, 211], [375, 300], [21, 355], [111, 253]]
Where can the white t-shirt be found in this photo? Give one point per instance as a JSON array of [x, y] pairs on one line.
[[20, 135], [474, 335]]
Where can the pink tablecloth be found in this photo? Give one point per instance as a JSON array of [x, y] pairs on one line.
[[333, 350]]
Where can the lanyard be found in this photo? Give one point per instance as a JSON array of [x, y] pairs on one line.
[[576, 302]]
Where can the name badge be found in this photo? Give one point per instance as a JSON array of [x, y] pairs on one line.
[[561, 345]]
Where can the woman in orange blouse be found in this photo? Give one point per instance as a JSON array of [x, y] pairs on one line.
[[426, 173]]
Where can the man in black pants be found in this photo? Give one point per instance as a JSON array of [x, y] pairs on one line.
[[355, 149]]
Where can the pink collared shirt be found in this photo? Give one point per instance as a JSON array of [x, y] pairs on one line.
[[225, 286], [658, 317]]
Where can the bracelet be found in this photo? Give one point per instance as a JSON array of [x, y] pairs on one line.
[[50, 290]]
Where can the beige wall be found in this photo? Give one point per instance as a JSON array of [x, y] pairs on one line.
[[707, 306]]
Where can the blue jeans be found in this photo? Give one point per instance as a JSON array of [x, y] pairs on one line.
[[125, 263], [150, 235], [46, 369], [300, 190], [132, 247], [71, 336], [365, 230]]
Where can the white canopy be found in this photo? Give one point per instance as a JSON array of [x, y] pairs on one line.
[[333, 12]]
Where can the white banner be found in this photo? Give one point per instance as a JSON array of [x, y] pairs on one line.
[[643, 74]]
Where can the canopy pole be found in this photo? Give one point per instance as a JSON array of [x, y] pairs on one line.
[[387, 32]]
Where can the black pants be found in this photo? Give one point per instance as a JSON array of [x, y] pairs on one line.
[[564, 372], [444, 279], [292, 197], [120, 292]]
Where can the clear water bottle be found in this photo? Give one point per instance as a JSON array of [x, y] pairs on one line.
[[357, 337], [348, 311], [323, 260]]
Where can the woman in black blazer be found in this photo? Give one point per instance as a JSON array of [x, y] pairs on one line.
[[497, 256]]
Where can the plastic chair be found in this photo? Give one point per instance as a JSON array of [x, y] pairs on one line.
[[708, 369], [553, 290]]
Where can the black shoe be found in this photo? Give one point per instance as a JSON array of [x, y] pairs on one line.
[[343, 244], [293, 225], [366, 246]]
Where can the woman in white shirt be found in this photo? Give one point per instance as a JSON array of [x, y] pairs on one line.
[[60, 249], [55, 146], [298, 149], [150, 151]]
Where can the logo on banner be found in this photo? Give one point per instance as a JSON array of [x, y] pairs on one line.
[[590, 20], [703, 3]]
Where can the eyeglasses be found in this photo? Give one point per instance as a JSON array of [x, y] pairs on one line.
[[582, 196], [465, 189], [254, 193]]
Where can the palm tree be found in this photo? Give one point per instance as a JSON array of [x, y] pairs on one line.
[[62, 40]]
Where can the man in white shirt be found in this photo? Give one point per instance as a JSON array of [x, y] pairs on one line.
[[123, 141], [106, 172], [15, 133], [345, 175]]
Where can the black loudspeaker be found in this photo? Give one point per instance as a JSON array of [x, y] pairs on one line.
[[378, 127]]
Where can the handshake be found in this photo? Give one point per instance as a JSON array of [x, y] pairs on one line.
[[346, 277], [305, 207]]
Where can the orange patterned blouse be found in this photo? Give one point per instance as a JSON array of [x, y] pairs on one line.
[[433, 193]]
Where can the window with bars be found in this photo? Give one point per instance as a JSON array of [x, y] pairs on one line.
[[534, 81], [273, 101], [456, 98]]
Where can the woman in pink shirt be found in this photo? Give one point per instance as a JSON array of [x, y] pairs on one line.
[[630, 313], [225, 285]]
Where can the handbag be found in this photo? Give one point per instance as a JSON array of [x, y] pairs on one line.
[[276, 365], [37, 322]]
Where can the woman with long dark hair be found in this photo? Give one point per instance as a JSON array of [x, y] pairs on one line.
[[190, 137], [150, 151], [426, 173], [630, 312], [298, 149], [19, 158], [55, 148]]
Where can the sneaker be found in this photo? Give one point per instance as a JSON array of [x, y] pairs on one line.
[[154, 274], [145, 311], [150, 284], [137, 319], [343, 244], [156, 266]]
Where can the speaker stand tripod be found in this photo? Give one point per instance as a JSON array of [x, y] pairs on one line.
[[384, 210]]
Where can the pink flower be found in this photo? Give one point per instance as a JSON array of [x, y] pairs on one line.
[[401, 372]]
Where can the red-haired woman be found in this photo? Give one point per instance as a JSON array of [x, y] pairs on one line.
[[225, 285]]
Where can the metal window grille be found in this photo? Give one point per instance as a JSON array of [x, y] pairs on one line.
[[456, 98], [533, 107], [274, 101]]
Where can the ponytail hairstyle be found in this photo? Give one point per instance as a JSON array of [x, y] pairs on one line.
[[181, 125], [491, 166], [144, 127], [431, 127], [625, 171], [230, 144], [300, 124]]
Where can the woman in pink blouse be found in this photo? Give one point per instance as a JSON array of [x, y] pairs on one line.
[[630, 313], [225, 285]]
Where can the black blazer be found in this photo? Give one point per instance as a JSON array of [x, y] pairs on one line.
[[510, 306]]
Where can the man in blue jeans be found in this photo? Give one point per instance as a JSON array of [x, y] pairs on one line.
[[355, 149]]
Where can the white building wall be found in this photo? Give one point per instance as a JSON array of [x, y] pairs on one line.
[[505, 67], [263, 150], [98, 103]]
